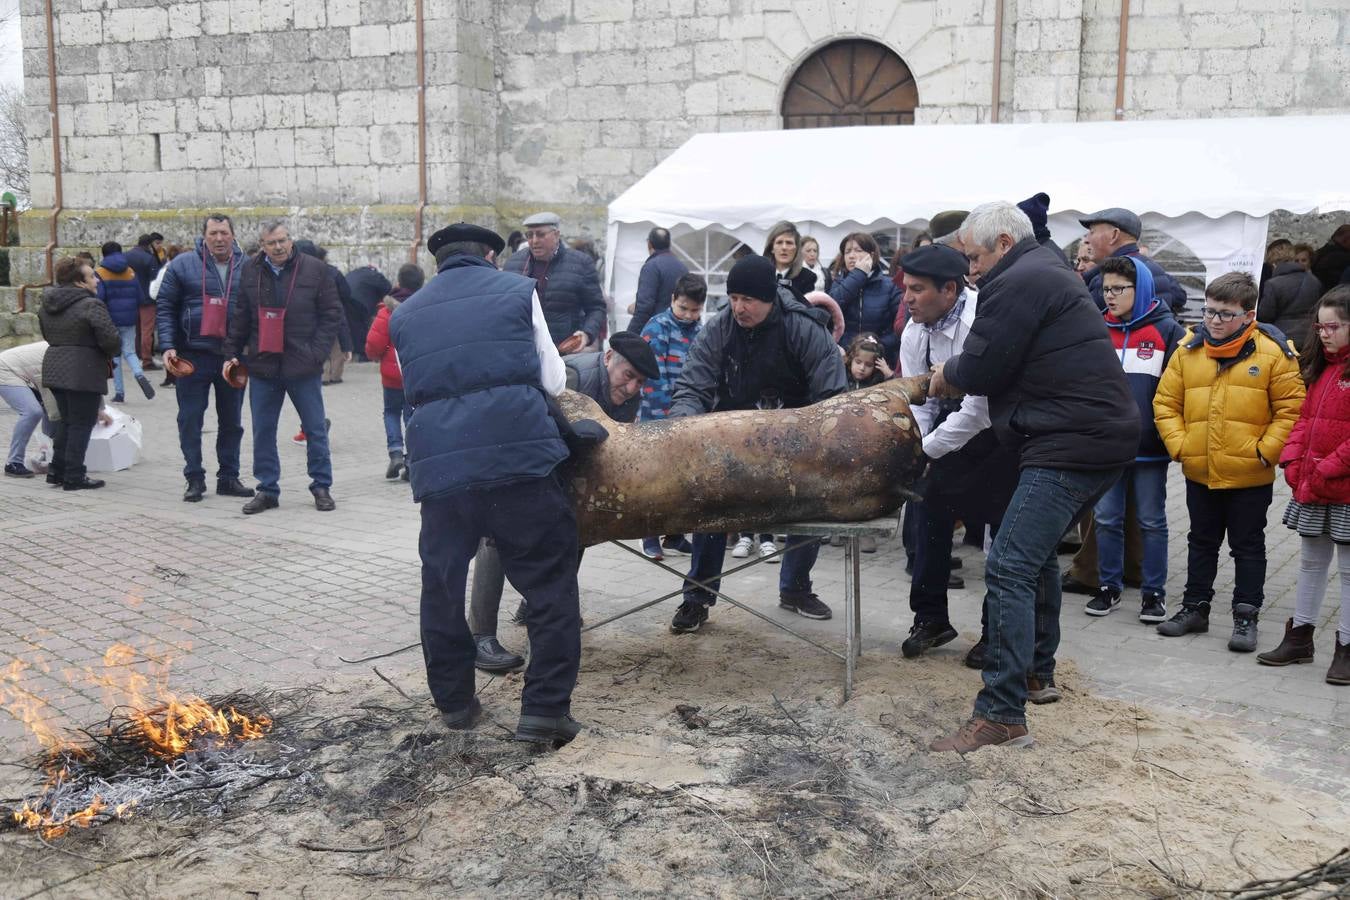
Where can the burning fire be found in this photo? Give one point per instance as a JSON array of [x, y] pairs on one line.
[[154, 723]]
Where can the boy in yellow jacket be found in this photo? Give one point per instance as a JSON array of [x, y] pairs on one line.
[[1225, 406]]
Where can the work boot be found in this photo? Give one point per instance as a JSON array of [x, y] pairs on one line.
[[232, 487], [1244, 628], [1104, 603], [689, 617], [804, 603], [464, 719], [925, 636], [196, 489], [493, 657], [323, 501], [1192, 618], [395, 464], [1339, 673], [1296, 647], [557, 730], [1039, 691], [975, 655], [261, 501], [147, 388], [979, 733]]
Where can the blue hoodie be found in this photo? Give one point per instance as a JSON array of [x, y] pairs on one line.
[[120, 289], [1145, 344]]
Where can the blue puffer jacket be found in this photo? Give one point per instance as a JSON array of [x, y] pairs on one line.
[[572, 300], [119, 288], [178, 309], [869, 302], [471, 374]]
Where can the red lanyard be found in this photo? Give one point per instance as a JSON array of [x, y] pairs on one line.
[[229, 278]]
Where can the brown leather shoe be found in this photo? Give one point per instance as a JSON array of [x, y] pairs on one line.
[[1339, 673], [979, 733], [1042, 691], [1297, 647]]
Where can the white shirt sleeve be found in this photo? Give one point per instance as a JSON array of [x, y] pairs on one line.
[[959, 427], [552, 373], [911, 363]]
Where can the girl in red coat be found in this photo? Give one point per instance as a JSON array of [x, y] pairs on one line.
[[378, 348], [1316, 463]]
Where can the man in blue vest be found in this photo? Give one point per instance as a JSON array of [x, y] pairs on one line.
[[478, 363]]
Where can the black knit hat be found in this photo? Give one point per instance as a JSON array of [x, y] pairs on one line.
[[637, 351], [753, 276]]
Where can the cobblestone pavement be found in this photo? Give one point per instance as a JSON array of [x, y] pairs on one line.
[[275, 599]]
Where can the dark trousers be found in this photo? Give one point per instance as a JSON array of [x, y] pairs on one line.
[[1241, 513], [194, 396], [933, 525], [535, 532], [70, 437]]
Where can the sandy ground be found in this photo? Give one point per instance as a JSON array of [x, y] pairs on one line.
[[776, 790]]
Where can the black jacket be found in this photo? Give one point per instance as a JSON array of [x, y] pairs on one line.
[[1165, 287], [83, 340], [1288, 299], [656, 286], [369, 287], [1039, 350], [146, 266], [790, 360], [1330, 263], [571, 298], [313, 317], [803, 284], [586, 374]]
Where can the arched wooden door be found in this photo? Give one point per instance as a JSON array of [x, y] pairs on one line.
[[851, 82]]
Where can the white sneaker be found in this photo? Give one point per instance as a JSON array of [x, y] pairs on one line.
[[767, 549], [742, 548]]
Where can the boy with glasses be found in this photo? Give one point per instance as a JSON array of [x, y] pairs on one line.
[[1225, 406]]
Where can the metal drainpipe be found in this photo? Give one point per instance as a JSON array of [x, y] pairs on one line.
[[421, 135], [998, 60], [56, 159], [1120, 58]]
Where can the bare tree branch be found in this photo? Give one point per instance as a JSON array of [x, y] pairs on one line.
[[14, 168]]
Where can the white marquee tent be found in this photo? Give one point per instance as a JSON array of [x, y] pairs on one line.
[[1209, 184]]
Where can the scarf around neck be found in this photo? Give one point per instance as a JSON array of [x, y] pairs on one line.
[[1230, 346], [953, 315]]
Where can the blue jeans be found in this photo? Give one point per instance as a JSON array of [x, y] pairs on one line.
[[1147, 484], [264, 401], [710, 550], [128, 335], [194, 396], [396, 415], [1022, 574], [31, 414]]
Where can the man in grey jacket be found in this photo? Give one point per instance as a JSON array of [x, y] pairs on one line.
[[766, 350]]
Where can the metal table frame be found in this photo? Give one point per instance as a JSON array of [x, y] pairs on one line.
[[885, 528]]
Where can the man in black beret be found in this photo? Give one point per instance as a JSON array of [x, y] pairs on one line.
[[614, 377], [765, 350], [483, 453]]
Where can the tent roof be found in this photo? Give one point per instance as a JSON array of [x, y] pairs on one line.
[[903, 173]]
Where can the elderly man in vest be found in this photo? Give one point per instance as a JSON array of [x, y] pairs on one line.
[[477, 362], [566, 282]]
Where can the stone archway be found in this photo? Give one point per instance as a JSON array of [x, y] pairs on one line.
[[850, 82]]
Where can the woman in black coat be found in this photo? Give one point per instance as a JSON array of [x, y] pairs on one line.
[[83, 343], [784, 247], [1288, 296]]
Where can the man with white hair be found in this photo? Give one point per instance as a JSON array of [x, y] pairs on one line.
[[1040, 351]]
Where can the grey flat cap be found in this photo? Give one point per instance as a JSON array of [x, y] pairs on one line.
[[944, 223], [542, 218], [1123, 219]]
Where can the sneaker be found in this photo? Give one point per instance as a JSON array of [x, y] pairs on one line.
[[651, 548], [768, 551], [742, 548], [804, 604], [979, 733], [1153, 608], [689, 617], [299, 439], [975, 655], [677, 545], [1190, 619], [146, 387], [1104, 603], [1039, 691], [18, 470], [925, 636], [1244, 628]]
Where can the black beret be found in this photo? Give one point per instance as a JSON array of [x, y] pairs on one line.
[[936, 261], [753, 276], [637, 351], [463, 231]]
